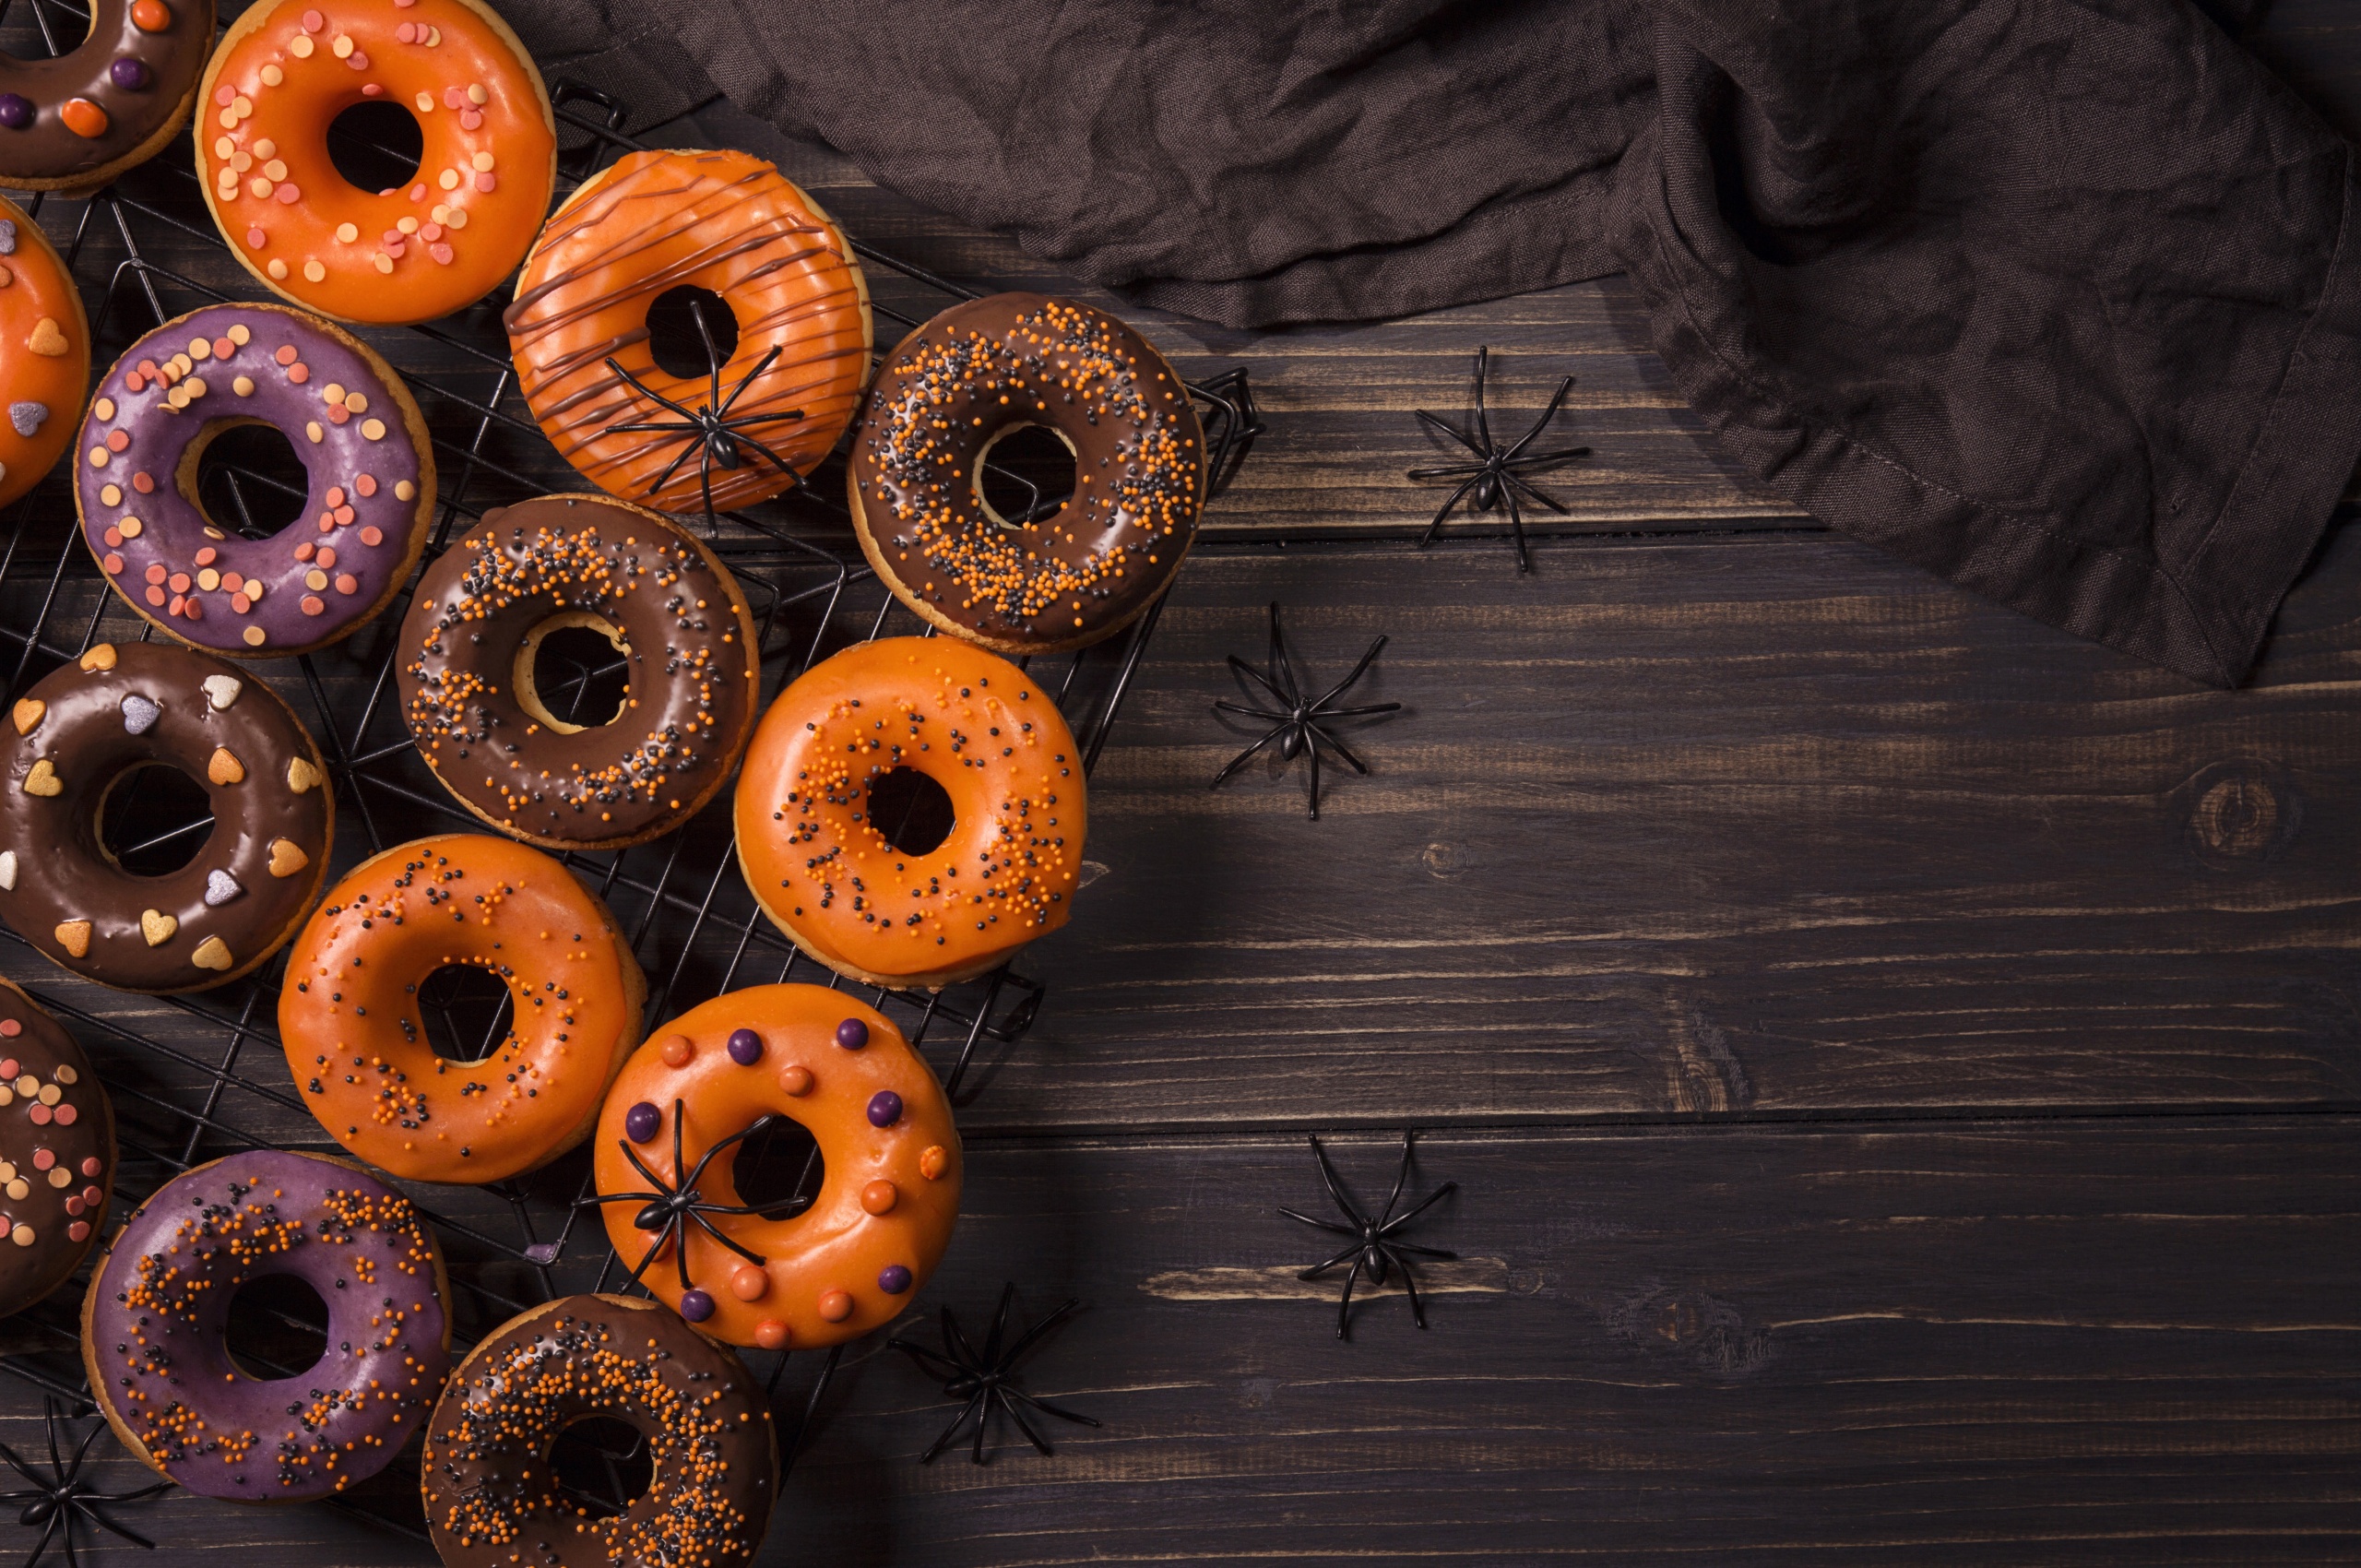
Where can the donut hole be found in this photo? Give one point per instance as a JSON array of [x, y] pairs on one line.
[[376, 145], [780, 1171], [574, 673], [912, 811], [1024, 474], [278, 1327], [464, 1011], [673, 340], [603, 1464], [154, 819], [248, 478]]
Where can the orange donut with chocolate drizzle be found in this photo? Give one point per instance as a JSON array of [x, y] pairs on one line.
[[810, 838], [408, 254], [349, 1010], [789, 1277], [726, 221]]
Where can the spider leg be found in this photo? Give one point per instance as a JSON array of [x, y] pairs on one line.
[[1239, 667], [1062, 1414], [1342, 750], [692, 441], [1316, 1270], [22, 1468], [1242, 759], [1444, 511], [756, 1125], [1418, 1208], [647, 391], [1320, 1224], [748, 1253], [132, 1536], [983, 1424], [951, 1433], [1483, 415], [928, 1361], [1313, 748], [1455, 434], [664, 1189], [1281, 666], [1541, 460], [712, 353], [704, 476], [1542, 423], [1508, 479], [1410, 1284], [1401, 1177], [1016, 1414], [1223, 705], [956, 1342], [621, 1197], [1363, 712], [649, 1256], [1337, 1187], [1033, 1335], [1454, 470], [1345, 1306], [49, 1529], [1000, 1323], [1516, 530], [725, 404], [1341, 687]]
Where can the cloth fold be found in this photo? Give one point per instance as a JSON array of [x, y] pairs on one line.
[[2052, 297]]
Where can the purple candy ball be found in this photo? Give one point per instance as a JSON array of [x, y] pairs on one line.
[[129, 73], [745, 1047], [695, 1305], [642, 1121], [16, 110], [852, 1034], [893, 1280], [884, 1108]]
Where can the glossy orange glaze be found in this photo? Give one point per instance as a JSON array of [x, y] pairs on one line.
[[357, 1047], [889, 1199], [971, 722], [726, 221], [45, 344], [411, 254]]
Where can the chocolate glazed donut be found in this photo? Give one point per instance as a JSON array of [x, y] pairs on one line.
[[664, 602], [57, 1152], [85, 727], [982, 370], [75, 122]]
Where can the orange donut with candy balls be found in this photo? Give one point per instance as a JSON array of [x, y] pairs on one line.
[[436, 244], [715, 1075]]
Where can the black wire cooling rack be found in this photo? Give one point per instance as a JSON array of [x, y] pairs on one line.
[[193, 1078]]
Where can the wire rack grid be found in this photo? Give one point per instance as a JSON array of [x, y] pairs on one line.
[[196, 1077]]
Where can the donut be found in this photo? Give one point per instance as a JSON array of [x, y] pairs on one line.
[[57, 1153], [830, 879], [89, 725], [75, 122], [390, 257], [493, 1497], [974, 374], [885, 1208], [663, 599], [726, 221], [45, 343], [348, 1012], [153, 1323], [366, 517]]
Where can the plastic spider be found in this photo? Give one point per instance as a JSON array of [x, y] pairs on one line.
[[1299, 724], [669, 1210], [710, 431], [1495, 475], [60, 1498], [1374, 1251], [988, 1381]]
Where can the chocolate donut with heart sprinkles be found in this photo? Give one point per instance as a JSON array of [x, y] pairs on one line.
[[84, 730], [57, 1153]]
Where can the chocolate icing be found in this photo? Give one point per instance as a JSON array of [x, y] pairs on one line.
[[566, 559], [57, 1153], [973, 373], [152, 1327], [79, 729], [364, 520], [49, 153], [488, 1483]]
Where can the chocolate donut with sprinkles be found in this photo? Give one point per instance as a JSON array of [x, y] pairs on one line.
[[954, 388], [668, 607], [73, 121], [154, 1319], [353, 425], [57, 1153], [492, 1494]]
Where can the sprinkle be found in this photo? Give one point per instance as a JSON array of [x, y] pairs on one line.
[[313, 272], [272, 76], [373, 430], [312, 430], [278, 269], [348, 232]]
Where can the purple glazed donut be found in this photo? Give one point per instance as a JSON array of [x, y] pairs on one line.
[[347, 416], [153, 1321]]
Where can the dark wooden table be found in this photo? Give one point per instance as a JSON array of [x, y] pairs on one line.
[[1900, 1063]]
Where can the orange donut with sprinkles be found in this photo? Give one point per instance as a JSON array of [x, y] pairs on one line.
[[45, 344], [390, 257], [818, 845]]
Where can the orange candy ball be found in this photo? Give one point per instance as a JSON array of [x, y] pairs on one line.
[[83, 117], [795, 1080], [836, 1305], [879, 1195], [934, 1161], [771, 1334], [677, 1050], [749, 1282], [151, 16]]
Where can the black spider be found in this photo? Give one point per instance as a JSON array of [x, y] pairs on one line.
[[669, 1210], [988, 1381], [1300, 720], [1374, 1252], [1494, 478], [60, 1498], [710, 431]]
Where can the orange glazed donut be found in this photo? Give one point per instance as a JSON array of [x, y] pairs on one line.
[[415, 252], [821, 868], [726, 222], [349, 1009], [45, 346], [716, 1073]]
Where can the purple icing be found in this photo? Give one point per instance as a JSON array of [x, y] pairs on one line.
[[173, 530], [129, 73], [642, 1121], [852, 1034], [314, 1218], [695, 1305], [745, 1047], [16, 110], [893, 1280], [884, 1108]]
